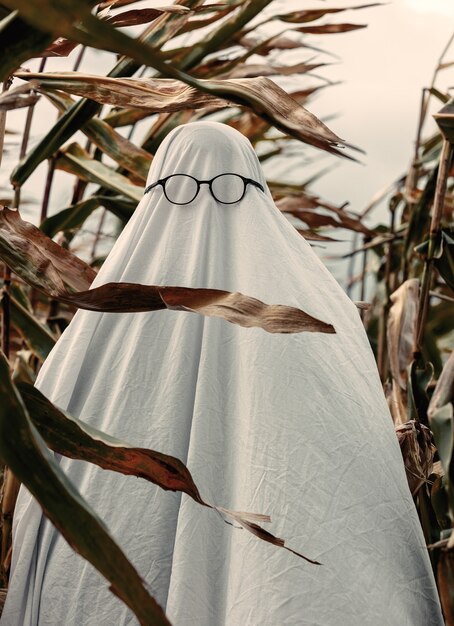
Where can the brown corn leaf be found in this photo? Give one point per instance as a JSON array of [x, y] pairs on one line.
[[233, 307], [401, 329], [311, 15], [260, 532], [135, 17], [46, 266], [251, 70], [297, 205], [22, 96], [277, 42], [37, 259], [151, 94], [415, 442], [326, 29], [444, 390], [62, 46], [445, 582], [221, 11], [260, 94], [77, 440], [397, 403], [312, 235]]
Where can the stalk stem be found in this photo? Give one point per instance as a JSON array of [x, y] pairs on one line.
[[437, 212]]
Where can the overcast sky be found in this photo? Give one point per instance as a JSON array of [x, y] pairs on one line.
[[384, 68]]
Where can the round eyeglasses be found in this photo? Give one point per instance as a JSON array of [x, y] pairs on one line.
[[225, 188]]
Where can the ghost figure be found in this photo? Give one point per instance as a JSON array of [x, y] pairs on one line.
[[294, 425]]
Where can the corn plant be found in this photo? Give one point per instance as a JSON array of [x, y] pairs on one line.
[[411, 324]]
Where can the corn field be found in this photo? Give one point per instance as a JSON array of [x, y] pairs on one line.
[[175, 64]]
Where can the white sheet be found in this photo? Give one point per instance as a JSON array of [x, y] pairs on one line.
[[291, 425]]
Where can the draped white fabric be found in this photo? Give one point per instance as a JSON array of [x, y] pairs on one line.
[[295, 426]]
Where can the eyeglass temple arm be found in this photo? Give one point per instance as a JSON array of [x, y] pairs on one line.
[[153, 185], [255, 183]]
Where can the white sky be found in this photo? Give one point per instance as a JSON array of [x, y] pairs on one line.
[[384, 68], [442, 7]]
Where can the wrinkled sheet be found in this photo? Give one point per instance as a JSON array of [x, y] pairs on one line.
[[295, 426]]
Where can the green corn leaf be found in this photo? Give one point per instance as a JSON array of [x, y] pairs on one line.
[[124, 152], [70, 218], [75, 160], [38, 338]]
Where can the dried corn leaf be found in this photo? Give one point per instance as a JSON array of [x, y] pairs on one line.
[[326, 29], [22, 96], [260, 94], [77, 440], [401, 329], [252, 70], [233, 307], [23, 450], [310, 15], [150, 94], [297, 206], [418, 453], [37, 259], [444, 390], [62, 46], [46, 266], [134, 17]]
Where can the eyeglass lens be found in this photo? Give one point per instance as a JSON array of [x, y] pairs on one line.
[[226, 188], [181, 189]]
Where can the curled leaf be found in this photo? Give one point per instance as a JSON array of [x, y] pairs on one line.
[[233, 307], [417, 451], [401, 329], [22, 96]]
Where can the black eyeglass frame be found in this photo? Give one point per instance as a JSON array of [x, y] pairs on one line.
[[246, 181]]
